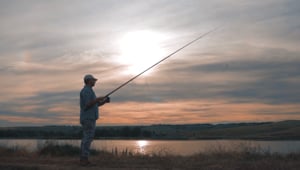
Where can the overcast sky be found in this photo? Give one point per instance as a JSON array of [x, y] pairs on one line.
[[247, 70]]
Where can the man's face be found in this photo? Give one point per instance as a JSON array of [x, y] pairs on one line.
[[92, 82]]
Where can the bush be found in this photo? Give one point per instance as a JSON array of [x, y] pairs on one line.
[[54, 149], [59, 150]]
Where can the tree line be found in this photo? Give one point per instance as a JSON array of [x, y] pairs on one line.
[[283, 130], [74, 132]]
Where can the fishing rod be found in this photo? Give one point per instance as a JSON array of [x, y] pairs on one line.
[[122, 85]]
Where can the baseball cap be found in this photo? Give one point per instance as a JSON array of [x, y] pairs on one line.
[[89, 77]]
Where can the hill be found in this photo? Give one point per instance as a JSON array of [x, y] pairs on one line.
[[283, 130]]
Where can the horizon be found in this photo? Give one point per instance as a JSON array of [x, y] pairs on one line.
[[246, 71], [145, 125]]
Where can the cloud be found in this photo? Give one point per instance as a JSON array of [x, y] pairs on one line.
[[265, 75], [250, 65], [194, 111]]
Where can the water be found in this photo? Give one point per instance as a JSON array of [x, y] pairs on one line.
[[178, 147]]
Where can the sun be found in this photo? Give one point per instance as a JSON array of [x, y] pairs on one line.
[[140, 50]]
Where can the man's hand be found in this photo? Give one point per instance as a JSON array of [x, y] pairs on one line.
[[107, 100], [103, 100]]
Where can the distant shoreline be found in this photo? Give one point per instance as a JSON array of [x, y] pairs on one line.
[[162, 139], [272, 131]]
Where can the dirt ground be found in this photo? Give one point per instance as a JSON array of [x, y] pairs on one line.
[[72, 163], [108, 162]]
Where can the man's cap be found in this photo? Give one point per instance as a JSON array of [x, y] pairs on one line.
[[89, 77]]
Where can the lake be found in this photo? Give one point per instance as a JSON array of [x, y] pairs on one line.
[[178, 147]]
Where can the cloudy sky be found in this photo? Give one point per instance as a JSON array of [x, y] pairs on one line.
[[247, 70]]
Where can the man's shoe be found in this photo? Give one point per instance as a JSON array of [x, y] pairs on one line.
[[86, 163]]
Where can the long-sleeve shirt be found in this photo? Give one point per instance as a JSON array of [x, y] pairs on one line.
[[87, 94]]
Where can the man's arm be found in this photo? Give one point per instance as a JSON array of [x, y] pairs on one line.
[[103, 101], [97, 100]]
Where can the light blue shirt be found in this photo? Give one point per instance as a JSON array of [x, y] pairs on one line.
[[87, 94]]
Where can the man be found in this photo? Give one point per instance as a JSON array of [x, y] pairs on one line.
[[89, 113]]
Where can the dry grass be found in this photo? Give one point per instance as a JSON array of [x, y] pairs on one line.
[[53, 156]]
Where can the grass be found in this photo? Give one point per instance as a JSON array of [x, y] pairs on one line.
[[54, 156]]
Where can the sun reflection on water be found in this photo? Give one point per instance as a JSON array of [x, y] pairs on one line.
[[141, 146]]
